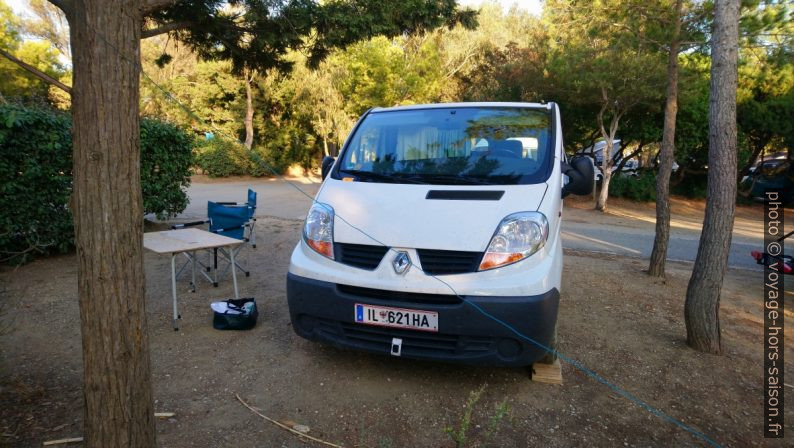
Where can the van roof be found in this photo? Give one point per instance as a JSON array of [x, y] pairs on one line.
[[459, 105]]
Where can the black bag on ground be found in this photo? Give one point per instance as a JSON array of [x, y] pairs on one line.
[[239, 314]]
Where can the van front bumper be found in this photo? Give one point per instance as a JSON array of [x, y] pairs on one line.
[[323, 311]]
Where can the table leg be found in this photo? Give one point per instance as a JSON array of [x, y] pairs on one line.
[[215, 266], [173, 290], [234, 273], [193, 274]]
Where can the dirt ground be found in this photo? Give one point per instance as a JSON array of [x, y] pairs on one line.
[[613, 319]]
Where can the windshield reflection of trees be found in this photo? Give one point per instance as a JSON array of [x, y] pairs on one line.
[[478, 163], [472, 165], [513, 124]]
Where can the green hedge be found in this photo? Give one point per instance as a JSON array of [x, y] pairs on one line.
[[166, 158], [219, 157], [36, 178], [35, 182], [638, 188]]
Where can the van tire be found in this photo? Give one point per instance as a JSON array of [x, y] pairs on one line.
[[550, 358]]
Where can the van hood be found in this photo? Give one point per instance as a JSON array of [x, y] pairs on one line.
[[400, 215]]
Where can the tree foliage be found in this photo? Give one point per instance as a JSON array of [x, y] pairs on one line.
[[389, 72], [260, 33], [15, 82]]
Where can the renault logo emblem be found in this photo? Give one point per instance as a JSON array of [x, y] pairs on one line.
[[401, 262]]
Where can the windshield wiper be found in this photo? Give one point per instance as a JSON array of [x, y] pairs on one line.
[[394, 178], [410, 178]]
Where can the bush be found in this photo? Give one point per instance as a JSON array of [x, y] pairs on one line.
[[261, 163], [290, 146], [35, 182], [36, 178], [166, 158], [638, 188], [220, 158]]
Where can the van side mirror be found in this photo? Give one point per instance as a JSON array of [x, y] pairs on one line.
[[581, 175], [325, 166]]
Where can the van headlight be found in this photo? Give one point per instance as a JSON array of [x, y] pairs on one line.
[[518, 236], [318, 230]]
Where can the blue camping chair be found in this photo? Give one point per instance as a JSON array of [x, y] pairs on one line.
[[250, 205], [228, 216], [230, 221]]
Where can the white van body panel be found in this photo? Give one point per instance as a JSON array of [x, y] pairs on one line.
[[535, 275], [398, 215]]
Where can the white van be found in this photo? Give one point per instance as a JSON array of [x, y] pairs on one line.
[[429, 213]]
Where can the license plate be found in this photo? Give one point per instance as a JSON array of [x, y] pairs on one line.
[[396, 317]]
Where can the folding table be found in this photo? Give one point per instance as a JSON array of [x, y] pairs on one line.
[[179, 241]]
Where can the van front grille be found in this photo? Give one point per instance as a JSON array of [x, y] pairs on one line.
[[443, 262], [434, 262], [362, 256]]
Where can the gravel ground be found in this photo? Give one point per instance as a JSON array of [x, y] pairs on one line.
[[613, 319]]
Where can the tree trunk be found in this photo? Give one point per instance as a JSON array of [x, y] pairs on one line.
[[606, 155], [701, 310], [249, 111], [666, 154], [108, 217], [325, 147], [601, 203]]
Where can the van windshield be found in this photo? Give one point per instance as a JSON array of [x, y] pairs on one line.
[[463, 145]]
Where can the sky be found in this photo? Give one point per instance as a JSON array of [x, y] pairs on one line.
[[533, 6], [18, 6]]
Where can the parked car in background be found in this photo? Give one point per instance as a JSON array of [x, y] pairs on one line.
[[768, 163], [776, 173], [596, 152]]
